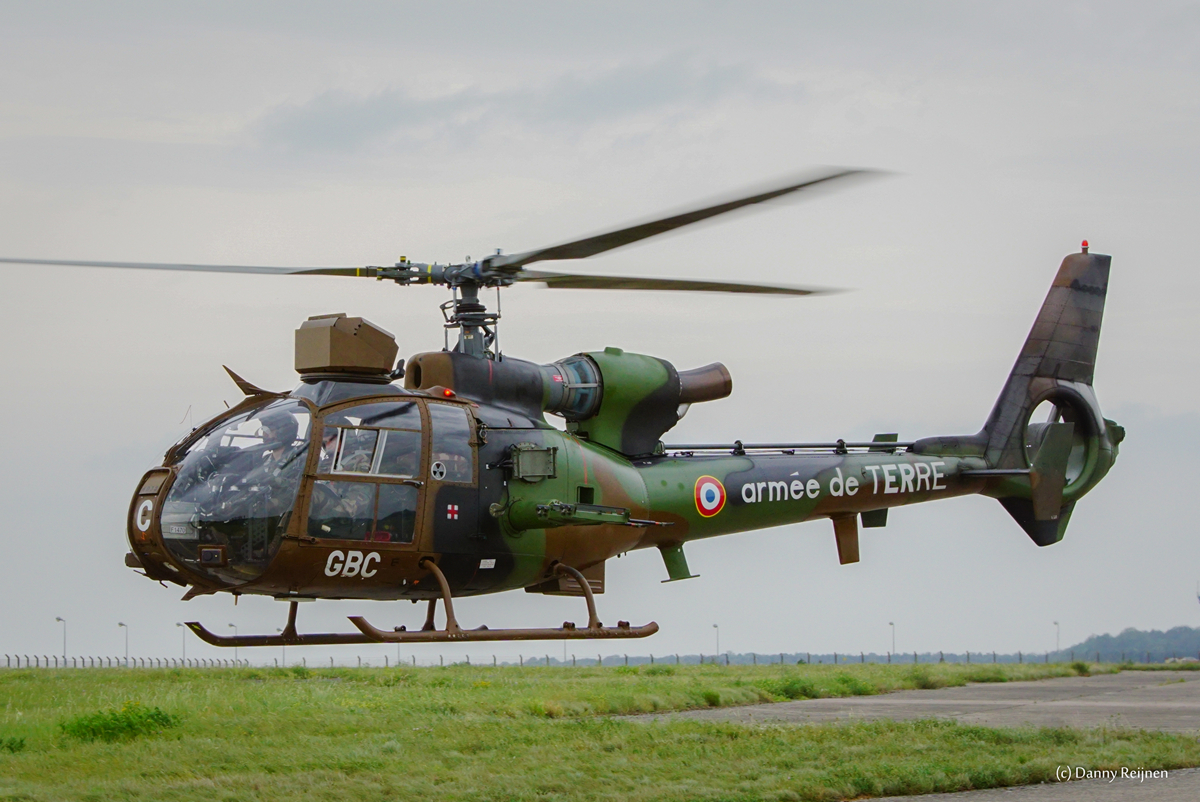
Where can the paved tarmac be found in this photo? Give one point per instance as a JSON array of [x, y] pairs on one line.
[[1152, 700], [1181, 785]]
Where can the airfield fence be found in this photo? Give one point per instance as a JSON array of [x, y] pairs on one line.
[[92, 661], [545, 660]]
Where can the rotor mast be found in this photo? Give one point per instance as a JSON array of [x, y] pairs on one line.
[[476, 325], [465, 311]]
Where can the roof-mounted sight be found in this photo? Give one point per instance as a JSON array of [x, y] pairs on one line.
[[339, 347]]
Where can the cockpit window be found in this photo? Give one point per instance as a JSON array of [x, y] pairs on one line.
[[389, 415], [235, 490], [400, 454], [451, 458], [367, 453], [357, 452], [382, 439]]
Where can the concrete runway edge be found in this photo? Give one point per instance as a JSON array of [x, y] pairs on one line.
[[1153, 700]]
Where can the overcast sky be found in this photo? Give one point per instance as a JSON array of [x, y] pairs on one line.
[[346, 134]]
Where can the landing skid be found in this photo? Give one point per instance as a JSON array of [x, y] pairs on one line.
[[453, 633], [289, 636]]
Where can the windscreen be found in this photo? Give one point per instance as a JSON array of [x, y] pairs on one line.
[[235, 490]]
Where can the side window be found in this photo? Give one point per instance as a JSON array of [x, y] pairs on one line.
[[349, 511], [341, 510], [451, 457], [381, 438], [390, 415], [397, 517], [330, 438], [357, 453], [400, 453], [381, 443]]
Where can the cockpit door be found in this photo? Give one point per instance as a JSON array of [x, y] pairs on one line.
[[367, 485], [452, 505]]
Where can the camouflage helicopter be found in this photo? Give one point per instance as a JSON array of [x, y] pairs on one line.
[[355, 486]]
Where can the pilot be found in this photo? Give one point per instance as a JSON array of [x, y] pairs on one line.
[[279, 433], [281, 460]]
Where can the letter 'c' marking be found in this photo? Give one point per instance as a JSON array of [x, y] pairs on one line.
[[142, 519]]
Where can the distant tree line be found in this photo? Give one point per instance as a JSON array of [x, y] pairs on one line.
[[1136, 644]]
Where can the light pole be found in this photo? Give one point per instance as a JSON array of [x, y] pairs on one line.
[[282, 649], [892, 624], [183, 640], [63, 621], [122, 625], [718, 629], [1056, 631], [235, 633]]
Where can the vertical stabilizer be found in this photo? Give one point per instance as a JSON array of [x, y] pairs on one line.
[[1066, 454], [1058, 359]]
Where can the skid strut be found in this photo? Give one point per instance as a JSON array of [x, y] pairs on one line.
[[454, 632], [429, 633]]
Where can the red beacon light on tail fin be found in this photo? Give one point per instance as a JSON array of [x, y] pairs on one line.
[[1084, 246]]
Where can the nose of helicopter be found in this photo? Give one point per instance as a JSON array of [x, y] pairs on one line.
[[229, 493]]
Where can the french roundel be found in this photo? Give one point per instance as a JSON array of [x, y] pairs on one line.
[[710, 496]]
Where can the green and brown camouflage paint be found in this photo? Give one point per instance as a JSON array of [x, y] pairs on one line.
[[612, 474]]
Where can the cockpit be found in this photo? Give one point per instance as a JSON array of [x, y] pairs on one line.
[[235, 490], [368, 463]]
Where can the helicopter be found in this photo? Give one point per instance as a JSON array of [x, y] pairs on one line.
[[439, 476]]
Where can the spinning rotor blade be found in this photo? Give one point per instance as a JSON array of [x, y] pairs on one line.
[[502, 270], [367, 272], [598, 243], [578, 281]]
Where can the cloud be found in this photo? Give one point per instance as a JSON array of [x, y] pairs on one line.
[[342, 122]]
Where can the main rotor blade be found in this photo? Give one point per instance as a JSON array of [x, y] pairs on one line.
[[590, 246], [578, 281], [366, 272]]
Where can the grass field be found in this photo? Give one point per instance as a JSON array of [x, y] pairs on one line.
[[468, 732]]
